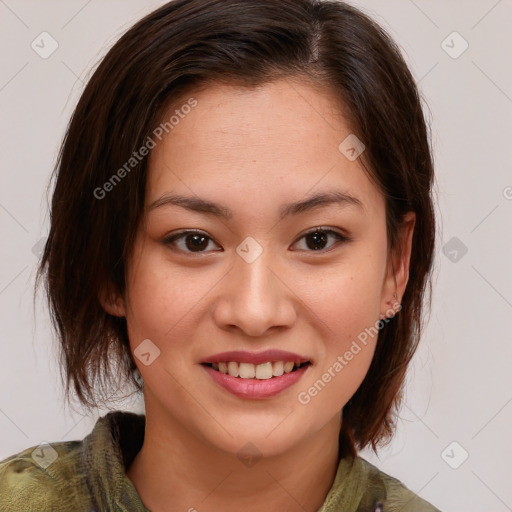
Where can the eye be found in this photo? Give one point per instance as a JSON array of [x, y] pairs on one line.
[[197, 242], [193, 241], [317, 238]]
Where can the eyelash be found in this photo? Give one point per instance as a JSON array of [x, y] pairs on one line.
[[341, 239]]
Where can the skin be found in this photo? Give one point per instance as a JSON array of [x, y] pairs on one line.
[[253, 150]]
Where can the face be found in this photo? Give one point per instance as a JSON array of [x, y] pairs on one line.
[[248, 272]]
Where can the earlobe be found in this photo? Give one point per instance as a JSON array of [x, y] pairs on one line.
[[112, 302]]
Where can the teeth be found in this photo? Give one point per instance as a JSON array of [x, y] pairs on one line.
[[262, 371], [288, 367], [247, 370], [278, 368], [233, 369]]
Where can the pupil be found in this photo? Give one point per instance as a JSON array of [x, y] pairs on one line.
[[317, 236], [198, 242]]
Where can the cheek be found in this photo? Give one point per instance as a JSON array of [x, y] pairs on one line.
[[346, 297], [159, 310], [161, 295], [346, 305], [349, 310], [347, 337]]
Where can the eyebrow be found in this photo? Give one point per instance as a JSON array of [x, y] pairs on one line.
[[318, 200]]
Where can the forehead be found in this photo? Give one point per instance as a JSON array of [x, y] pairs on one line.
[[263, 142]]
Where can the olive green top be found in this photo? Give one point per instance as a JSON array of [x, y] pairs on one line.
[[90, 476]]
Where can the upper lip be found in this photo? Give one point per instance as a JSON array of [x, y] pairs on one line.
[[242, 356]]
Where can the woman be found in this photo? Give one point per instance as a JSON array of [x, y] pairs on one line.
[[242, 227]]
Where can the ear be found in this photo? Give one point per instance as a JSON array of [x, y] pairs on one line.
[[397, 274], [111, 301]]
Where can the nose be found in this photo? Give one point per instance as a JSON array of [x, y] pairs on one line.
[[256, 297]]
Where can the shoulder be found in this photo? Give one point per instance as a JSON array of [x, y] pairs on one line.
[[44, 477], [82, 476], [397, 497]]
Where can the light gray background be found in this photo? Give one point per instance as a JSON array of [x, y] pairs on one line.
[[460, 383]]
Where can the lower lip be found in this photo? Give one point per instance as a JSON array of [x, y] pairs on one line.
[[256, 388]]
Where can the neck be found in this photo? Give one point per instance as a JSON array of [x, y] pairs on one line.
[[176, 471]]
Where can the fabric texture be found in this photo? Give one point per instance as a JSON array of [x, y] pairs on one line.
[[90, 476]]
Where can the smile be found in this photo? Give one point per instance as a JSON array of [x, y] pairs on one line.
[[250, 381], [262, 371]]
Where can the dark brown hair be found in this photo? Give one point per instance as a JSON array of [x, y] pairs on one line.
[[187, 44]]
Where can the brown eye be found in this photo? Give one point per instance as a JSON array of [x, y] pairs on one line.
[[198, 242], [190, 241], [317, 239]]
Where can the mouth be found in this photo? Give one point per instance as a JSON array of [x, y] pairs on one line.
[[261, 380], [263, 371]]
